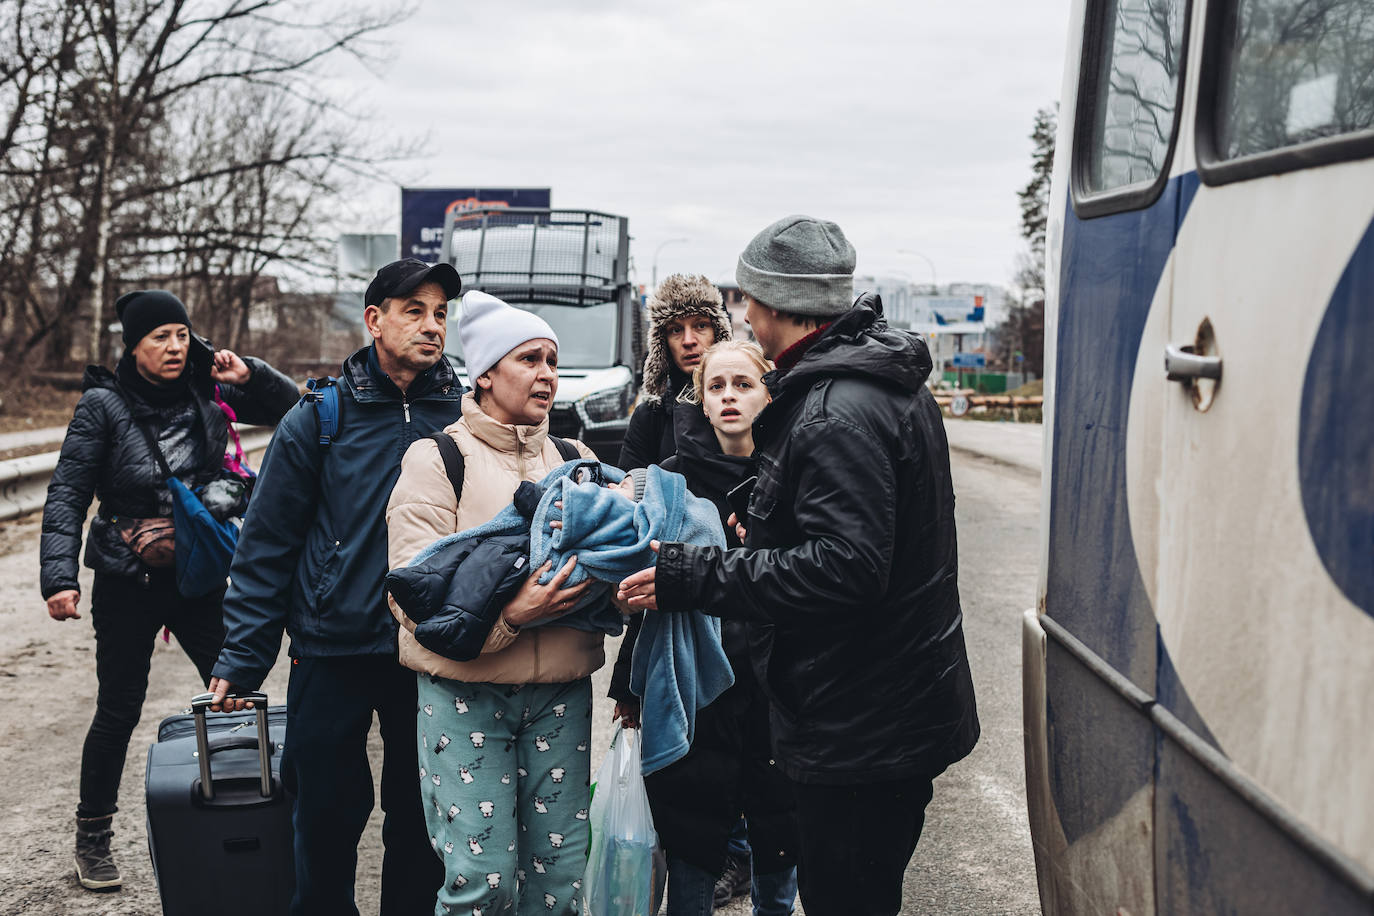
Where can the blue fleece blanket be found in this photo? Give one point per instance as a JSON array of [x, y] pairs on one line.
[[679, 665]]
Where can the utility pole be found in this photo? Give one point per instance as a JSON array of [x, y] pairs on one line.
[[656, 251], [934, 283]]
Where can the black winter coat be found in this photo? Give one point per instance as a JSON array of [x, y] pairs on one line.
[[849, 575], [730, 768], [651, 437], [457, 593], [106, 456]]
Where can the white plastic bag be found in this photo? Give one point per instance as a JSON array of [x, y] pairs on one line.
[[620, 867]]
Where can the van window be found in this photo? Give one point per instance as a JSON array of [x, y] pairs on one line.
[[1293, 71], [587, 334], [1135, 86]]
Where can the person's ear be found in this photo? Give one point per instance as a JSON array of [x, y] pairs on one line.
[[484, 381], [372, 319]]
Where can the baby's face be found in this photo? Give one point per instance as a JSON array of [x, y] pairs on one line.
[[626, 486]]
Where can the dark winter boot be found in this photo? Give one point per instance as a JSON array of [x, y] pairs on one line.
[[94, 863], [734, 881]]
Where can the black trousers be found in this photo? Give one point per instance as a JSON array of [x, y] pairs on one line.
[[330, 703], [127, 614], [856, 842]]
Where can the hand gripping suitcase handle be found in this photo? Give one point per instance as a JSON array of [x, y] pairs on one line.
[[199, 705]]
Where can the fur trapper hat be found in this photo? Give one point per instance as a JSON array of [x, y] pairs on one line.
[[678, 296]]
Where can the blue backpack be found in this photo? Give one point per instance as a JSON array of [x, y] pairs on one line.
[[324, 394]]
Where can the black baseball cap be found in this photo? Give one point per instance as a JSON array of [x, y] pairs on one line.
[[400, 277]]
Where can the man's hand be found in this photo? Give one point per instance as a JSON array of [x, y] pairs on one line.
[[62, 606], [627, 713], [219, 687], [230, 369], [535, 602], [639, 591], [739, 529]]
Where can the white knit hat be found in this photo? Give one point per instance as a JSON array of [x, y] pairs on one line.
[[488, 329]]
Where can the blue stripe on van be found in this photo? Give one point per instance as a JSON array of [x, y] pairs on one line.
[[1336, 431], [1101, 753], [1111, 267]]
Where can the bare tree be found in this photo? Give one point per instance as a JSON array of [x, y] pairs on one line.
[[173, 138]]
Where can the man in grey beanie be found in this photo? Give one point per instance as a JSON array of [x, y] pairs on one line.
[[849, 571]]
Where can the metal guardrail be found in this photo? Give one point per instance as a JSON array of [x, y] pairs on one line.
[[24, 481]]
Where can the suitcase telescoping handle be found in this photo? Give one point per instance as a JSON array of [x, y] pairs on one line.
[[199, 706]]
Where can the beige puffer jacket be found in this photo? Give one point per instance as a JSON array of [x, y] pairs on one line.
[[496, 458]]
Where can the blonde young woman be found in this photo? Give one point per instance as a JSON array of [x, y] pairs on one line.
[[504, 738], [697, 800]]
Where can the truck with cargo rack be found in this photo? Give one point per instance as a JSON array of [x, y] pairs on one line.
[[571, 268]]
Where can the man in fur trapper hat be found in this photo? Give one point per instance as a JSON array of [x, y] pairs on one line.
[[686, 316]]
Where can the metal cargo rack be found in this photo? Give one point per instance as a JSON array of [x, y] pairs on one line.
[[540, 255]]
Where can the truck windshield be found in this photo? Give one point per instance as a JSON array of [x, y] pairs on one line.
[[586, 333]]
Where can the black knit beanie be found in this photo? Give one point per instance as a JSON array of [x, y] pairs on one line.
[[144, 310]]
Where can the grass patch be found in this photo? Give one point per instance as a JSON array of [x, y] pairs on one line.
[[1032, 389], [31, 405]]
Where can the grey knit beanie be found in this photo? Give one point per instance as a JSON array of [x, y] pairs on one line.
[[800, 265]]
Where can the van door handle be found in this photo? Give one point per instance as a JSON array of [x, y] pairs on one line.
[[1183, 364]]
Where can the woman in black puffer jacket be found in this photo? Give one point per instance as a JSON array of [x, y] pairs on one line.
[[164, 383]]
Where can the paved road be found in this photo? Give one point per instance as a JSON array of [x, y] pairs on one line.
[[974, 857], [1020, 445]]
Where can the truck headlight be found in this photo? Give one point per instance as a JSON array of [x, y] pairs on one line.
[[607, 407]]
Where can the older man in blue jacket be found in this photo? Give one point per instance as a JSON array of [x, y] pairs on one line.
[[311, 559]]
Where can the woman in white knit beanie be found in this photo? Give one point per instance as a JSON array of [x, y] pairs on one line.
[[508, 732]]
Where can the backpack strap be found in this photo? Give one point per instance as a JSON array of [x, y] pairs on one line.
[[566, 449], [324, 394], [453, 461], [454, 466]]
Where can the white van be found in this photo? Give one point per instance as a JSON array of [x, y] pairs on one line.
[[1199, 673], [571, 268]]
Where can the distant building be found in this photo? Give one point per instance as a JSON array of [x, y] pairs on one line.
[[734, 304]]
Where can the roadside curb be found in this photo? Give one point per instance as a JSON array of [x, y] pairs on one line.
[[1017, 445]]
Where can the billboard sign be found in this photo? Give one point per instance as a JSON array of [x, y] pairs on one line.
[[423, 211]]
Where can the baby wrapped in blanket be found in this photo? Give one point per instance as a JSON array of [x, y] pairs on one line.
[[455, 588]]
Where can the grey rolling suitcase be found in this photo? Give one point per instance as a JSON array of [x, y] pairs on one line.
[[219, 818]]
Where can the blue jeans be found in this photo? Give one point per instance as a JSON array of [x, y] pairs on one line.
[[738, 844], [773, 894], [691, 890]]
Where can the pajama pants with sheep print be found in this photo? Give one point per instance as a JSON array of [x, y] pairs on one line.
[[504, 774]]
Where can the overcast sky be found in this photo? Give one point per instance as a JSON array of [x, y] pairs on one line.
[[904, 122]]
